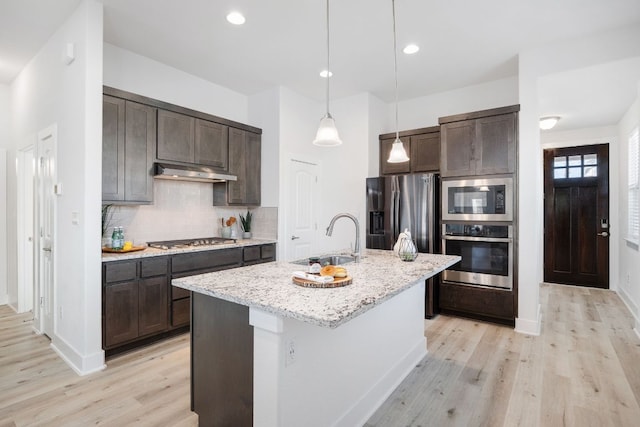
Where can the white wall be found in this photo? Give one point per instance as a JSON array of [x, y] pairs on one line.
[[534, 64], [343, 168], [3, 227], [629, 271], [141, 75], [424, 111], [378, 121], [4, 144], [47, 92]]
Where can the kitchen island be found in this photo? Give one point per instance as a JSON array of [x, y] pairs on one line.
[[266, 352]]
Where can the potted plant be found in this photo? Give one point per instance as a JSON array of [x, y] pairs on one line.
[[245, 221]]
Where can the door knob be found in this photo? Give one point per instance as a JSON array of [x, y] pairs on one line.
[[603, 234], [295, 237]]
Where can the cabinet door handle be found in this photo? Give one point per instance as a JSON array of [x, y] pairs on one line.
[[603, 234], [295, 237]]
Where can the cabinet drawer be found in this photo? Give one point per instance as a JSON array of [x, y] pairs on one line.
[[251, 253], [198, 262], [494, 303], [119, 271], [156, 266], [180, 312], [179, 293], [268, 251]]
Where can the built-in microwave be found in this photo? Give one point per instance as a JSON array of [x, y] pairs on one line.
[[484, 199]]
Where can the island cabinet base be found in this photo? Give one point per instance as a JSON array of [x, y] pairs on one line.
[[221, 362], [254, 368]]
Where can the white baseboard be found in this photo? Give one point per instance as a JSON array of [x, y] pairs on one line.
[[362, 410], [633, 308], [528, 326], [82, 365]]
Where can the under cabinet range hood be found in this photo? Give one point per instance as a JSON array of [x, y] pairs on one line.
[[190, 173]]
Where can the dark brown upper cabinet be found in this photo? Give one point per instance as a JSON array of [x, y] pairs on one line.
[[186, 139], [211, 144], [128, 143], [422, 147], [479, 143], [245, 163], [176, 137]]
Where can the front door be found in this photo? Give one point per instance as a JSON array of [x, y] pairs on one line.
[[576, 214], [302, 221]]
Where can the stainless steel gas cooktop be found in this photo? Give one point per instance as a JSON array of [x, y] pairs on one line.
[[190, 243]]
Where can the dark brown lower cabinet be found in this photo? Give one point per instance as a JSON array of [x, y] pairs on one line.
[[221, 362], [495, 305], [140, 306], [152, 305], [135, 301], [121, 314]]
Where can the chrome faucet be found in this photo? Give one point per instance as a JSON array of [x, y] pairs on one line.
[[356, 249]]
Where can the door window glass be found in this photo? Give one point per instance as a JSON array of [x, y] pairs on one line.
[[577, 166]]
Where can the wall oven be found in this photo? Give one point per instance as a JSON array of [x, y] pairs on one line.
[[488, 199], [486, 251]]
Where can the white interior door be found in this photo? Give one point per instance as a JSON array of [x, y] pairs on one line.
[[302, 223], [46, 181], [26, 178]]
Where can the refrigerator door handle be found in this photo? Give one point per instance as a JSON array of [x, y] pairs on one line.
[[396, 214]]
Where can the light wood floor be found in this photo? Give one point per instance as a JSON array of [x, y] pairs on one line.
[[584, 370]]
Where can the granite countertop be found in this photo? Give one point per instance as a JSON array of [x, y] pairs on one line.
[[379, 276], [148, 252]]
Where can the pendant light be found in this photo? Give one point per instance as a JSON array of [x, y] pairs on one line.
[[398, 153], [327, 134]]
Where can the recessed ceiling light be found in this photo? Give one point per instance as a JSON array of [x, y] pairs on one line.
[[326, 73], [549, 122], [236, 18], [410, 49]]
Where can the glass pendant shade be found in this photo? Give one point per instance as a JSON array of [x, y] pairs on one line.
[[327, 134], [398, 153]]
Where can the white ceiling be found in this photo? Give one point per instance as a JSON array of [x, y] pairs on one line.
[[283, 42]]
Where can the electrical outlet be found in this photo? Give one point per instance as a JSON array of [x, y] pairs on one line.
[[60, 312], [290, 352]]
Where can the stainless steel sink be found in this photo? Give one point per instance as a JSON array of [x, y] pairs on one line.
[[329, 259]]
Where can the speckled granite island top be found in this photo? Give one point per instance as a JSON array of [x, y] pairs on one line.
[[379, 276]]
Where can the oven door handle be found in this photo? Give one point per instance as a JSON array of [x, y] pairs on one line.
[[479, 239]]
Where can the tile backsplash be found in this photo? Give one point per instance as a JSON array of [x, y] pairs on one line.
[[184, 210]]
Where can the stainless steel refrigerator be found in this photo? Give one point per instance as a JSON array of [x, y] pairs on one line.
[[405, 201]]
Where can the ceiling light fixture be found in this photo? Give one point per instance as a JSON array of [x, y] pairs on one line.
[[398, 153], [410, 49], [236, 18], [327, 134], [326, 73], [548, 122]]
